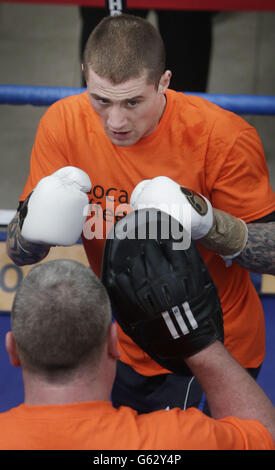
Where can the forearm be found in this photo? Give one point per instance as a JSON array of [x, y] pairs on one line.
[[230, 390], [259, 253], [20, 250]]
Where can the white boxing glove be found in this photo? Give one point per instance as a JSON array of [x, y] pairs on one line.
[[54, 214], [168, 196], [216, 230]]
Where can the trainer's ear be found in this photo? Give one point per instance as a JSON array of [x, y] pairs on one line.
[[113, 342], [12, 349]]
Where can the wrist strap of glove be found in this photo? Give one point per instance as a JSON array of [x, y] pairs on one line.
[[228, 236], [228, 259]]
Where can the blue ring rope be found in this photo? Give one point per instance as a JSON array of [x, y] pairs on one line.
[[45, 96]]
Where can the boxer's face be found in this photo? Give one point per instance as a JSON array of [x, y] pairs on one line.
[[128, 111]]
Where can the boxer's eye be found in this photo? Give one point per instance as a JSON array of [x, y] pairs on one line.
[[132, 103], [103, 101]]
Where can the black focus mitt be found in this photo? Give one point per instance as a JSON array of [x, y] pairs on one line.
[[163, 298]]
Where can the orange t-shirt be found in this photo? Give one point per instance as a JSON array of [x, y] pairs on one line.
[[197, 144], [97, 425]]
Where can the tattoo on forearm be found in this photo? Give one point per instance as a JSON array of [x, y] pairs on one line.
[[259, 253], [20, 250]]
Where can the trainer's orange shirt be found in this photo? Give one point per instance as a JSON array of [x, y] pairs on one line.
[[197, 144], [97, 425]]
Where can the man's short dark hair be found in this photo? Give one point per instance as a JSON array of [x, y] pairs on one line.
[[123, 47]]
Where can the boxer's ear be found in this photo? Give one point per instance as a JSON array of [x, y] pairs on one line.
[[164, 81]]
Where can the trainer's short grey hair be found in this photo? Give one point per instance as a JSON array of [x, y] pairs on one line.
[[60, 317]]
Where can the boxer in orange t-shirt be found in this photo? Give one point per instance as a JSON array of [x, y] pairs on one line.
[[128, 127]]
